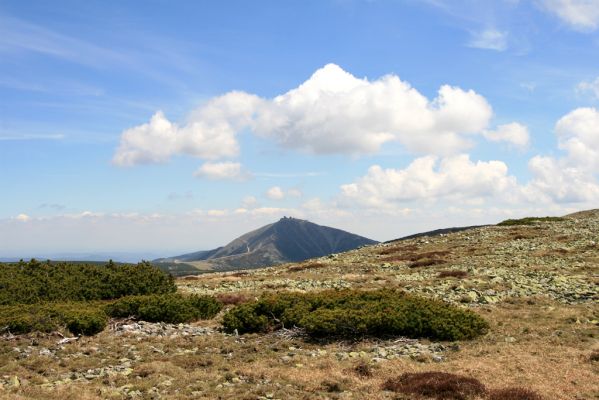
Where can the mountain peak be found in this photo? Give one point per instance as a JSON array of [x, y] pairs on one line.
[[289, 239]]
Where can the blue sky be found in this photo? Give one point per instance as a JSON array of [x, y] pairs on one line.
[[381, 117]]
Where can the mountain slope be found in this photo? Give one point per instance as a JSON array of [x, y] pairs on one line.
[[287, 240]]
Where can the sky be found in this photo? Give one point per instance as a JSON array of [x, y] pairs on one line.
[[161, 127]]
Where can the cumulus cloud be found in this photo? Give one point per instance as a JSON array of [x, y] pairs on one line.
[[209, 134], [331, 112], [515, 134], [554, 180], [220, 171], [275, 193], [489, 39], [430, 179], [579, 14], [578, 135], [335, 112]]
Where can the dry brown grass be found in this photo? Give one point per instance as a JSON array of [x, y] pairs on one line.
[[233, 298]]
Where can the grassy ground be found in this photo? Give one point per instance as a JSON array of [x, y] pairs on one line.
[[535, 284]]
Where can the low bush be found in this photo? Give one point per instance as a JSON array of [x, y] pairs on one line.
[[171, 308], [436, 385], [529, 221], [514, 394], [35, 282], [354, 314], [78, 318]]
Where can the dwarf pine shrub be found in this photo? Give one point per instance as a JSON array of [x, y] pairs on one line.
[[35, 282], [170, 308], [78, 318], [529, 221], [354, 313]]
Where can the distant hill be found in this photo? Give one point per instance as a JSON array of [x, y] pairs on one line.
[[437, 232], [287, 240]]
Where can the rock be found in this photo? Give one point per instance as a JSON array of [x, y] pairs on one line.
[[15, 382]]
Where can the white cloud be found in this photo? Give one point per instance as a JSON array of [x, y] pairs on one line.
[[220, 171], [573, 177], [275, 193], [335, 112], [249, 202], [555, 181], [578, 135], [591, 87], [209, 134], [331, 112], [489, 39], [514, 133], [23, 217], [427, 178], [579, 14]]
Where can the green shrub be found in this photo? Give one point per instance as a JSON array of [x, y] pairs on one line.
[[529, 221], [171, 308], [354, 313], [78, 318], [35, 282]]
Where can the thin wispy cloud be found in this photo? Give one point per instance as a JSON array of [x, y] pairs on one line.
[[581, 15], [31, 137], [288, 175], [489, 39], [145, 58]]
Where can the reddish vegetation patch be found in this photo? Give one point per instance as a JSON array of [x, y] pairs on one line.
[[233, 298], [303, 267], [514, 394], [436, 385], [426, 262], [363, 369], [452, 274], [420, 259]]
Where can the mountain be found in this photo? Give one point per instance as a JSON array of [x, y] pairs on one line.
[[287, 240]]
